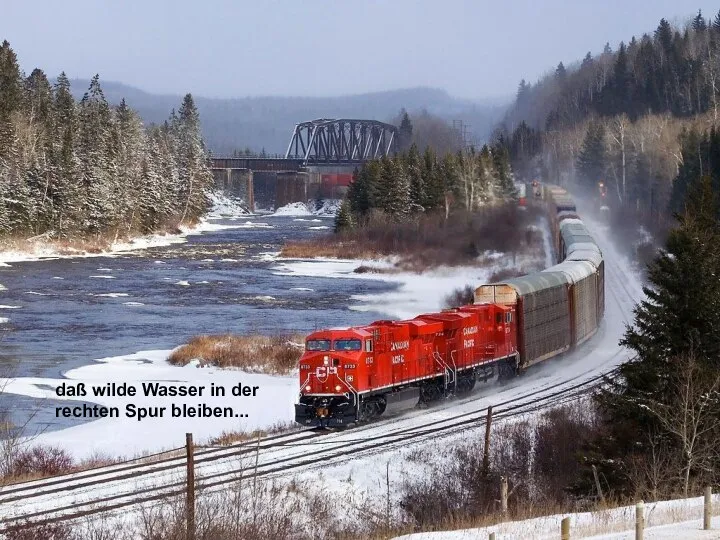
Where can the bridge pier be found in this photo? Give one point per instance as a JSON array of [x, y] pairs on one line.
[[236, 183], [295, 187]]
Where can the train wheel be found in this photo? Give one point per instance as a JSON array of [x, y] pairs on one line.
[[430, 392], [485, 373], [466, 384], [506, 370], [372, 408]]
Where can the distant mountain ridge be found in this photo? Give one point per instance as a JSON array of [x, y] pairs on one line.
[[267, 122]]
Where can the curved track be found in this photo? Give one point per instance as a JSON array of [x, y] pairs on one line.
[[127, 485]]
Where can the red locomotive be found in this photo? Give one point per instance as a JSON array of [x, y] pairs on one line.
[[357, 374]]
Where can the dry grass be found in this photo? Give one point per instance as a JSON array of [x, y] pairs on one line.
[[276, 355], [429, 240], [43, 461], [230, 437]]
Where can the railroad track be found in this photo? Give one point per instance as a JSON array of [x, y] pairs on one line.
[[114, 488]]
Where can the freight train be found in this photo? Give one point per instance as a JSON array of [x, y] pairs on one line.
[[357, 374]]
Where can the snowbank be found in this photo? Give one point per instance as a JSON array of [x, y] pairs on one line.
[[328, 208], [667, 519], [224, 206], [124, 436]]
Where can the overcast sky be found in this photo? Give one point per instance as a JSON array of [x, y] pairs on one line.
[[233, 48]]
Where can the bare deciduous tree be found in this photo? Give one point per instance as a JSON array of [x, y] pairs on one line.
[[689, 413]]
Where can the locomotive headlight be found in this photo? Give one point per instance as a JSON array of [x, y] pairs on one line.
[[308, 388], [338, 387], [326, 360]]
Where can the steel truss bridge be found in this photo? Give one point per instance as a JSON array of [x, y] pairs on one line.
[[341, 141], [322, 142]]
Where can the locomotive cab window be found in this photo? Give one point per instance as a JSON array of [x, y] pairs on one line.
[[498, 318], [368, 345], [508, 317], [336, 362], [347, 345], [318, 345]]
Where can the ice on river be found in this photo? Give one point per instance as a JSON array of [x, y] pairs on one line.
[[127, 436]]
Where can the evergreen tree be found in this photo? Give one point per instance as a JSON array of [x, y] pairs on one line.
[[66, 192], [359, 192], [38, 97], [418, 189], [10, 82], [664, 35], [94, 126], [433, 180], [679, 318], [620, 89], [344, 219], [396, 186], [716, 22], [561, 72], [505, 185], [587, 61], [450, 182], [405, 131], [699, 24], [195, 177], [591, 158], [523, 91]]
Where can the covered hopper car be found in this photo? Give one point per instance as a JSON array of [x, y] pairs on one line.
[[357, 374]]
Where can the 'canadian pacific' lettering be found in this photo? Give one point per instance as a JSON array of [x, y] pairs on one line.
[[470, 330], [399, 345]]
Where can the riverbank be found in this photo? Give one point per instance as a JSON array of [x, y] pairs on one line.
[[44, 247], [429, 241]]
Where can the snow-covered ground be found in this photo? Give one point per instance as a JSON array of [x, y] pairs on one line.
[[128, 436], [667, 520]]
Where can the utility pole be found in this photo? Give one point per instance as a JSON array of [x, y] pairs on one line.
[[463, 131]]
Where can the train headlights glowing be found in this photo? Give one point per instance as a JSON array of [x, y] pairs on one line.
[[308, 388], [338, 387]]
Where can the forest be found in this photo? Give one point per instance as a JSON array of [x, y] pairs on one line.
[[638, 118], [87, 169], [412, 183]]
